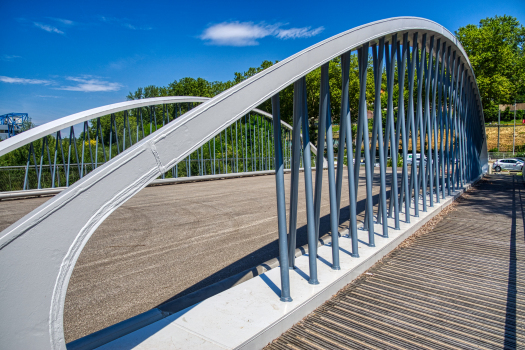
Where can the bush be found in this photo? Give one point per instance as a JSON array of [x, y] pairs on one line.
[[399, 162]]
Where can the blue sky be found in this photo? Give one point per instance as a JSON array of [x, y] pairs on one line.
[[62, 57]]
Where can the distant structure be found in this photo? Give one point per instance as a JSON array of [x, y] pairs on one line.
[[517, 106], [12, 124]]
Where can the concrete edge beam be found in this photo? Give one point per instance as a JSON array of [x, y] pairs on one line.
[[156, 182]]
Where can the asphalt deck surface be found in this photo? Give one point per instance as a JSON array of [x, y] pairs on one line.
[[169, 241], [457, 283]]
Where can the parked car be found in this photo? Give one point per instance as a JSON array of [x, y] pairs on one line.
[[508, 164], [418, 158]]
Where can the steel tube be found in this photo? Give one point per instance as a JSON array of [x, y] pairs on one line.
[[378, 67], [428, 121], [363, 67], [441, 105], [281, 202], [294, 185], [345, 137], [391, 134], [401, 59], [412, 125], [310, 228], [324, 107], [420, 124], [321, 133]]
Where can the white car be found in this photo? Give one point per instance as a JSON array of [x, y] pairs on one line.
[[508, 164], [418, 158]]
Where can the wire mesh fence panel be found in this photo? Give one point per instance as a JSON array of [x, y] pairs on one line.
[[13, 178], [65, 156]]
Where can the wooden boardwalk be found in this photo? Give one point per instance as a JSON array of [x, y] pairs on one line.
[[456, 284]]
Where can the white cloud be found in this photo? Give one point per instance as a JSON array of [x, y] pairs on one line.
[[247, 33], [236, 33], [87, 83], [295, 33], [84, 83], [66, 22], [48, 28], [48, 96], [9, 57], [125, 62], [11, 80], [123, 22]]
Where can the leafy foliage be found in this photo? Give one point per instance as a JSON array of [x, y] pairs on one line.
[[495, 49], [201, 87]]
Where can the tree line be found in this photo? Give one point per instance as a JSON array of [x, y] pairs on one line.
[[494, 47]]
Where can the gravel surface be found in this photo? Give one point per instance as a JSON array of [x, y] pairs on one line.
[[169, 241]]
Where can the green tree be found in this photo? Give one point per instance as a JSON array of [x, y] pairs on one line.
[[201, 87], [495, 49]]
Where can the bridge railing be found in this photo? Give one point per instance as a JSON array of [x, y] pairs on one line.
[[437, 101], [66, 155]]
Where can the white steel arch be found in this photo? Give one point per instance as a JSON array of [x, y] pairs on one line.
[[38, 253]]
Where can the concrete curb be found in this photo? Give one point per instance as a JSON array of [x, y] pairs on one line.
[[156, 182], [118, 330]]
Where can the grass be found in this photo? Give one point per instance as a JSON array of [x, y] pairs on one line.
[[511, 122], [505, 138]]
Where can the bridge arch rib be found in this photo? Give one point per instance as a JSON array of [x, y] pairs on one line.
[[38, 253]]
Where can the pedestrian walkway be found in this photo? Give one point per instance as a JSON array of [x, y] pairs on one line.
[[455, 284]]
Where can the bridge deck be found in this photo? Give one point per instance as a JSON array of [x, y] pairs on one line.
[[169, 241], [457, 283]]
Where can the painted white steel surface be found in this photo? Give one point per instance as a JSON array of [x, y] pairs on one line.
[[38, 252]]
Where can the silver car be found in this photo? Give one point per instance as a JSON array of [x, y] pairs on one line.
[[418, 158], [508, 164]]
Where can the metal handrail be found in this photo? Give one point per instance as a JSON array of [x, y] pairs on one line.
[[40, 131], [259, 142]]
